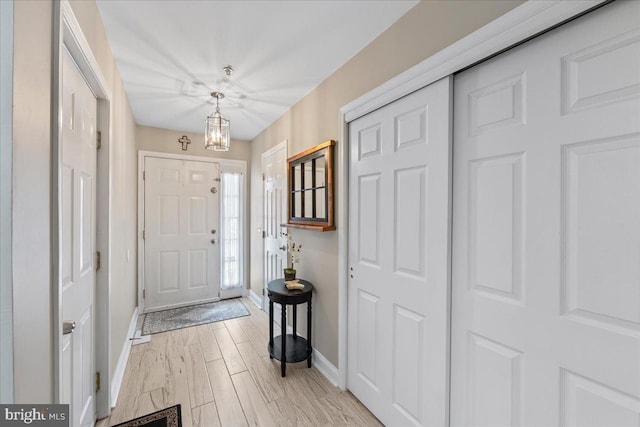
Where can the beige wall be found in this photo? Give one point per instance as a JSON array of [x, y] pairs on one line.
[[426, 29], [166, 141], [33, 367], [31, 210]]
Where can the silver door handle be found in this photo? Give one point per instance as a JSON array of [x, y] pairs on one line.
[[68, 326]]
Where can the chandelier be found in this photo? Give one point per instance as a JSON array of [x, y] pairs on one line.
[[217, 136]]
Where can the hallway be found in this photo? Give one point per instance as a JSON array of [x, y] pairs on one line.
[[221, 374]]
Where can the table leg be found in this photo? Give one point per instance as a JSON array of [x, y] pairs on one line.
[[270, 328], [309, 351], [283, 328], [295, 321]]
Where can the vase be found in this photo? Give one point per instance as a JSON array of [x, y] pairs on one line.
[[289, 274]]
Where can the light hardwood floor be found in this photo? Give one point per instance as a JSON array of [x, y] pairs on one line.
[[221, 374]]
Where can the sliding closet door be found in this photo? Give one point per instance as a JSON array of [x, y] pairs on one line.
[[399, 258], [546, 234]]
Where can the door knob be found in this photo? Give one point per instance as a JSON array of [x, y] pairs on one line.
[[68, 326], [283, 248], [213, 241]]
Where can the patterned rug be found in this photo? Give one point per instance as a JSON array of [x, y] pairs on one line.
[[183, 317], [168, 417]]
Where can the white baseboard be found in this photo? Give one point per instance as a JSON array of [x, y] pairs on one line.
[[255, 298], [118, 374], [325, 367]]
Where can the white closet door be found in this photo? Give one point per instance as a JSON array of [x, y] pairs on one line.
[[546, 237], [182, 216], [78, 245], [399, 258]]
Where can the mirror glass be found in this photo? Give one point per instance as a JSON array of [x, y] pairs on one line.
[[321, 203], [308, 204], [308, 175], [297, 204], [297, 180], [321, 163]]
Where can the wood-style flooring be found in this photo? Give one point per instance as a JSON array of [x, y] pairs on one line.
[[221, 374]]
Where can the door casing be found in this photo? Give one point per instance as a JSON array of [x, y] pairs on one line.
[[516, 26]]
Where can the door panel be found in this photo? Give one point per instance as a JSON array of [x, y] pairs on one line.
[[399, 257], [274, 169], [182, 261], [78, 231], [546, 241]]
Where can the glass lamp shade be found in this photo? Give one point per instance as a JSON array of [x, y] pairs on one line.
[[217, 133]]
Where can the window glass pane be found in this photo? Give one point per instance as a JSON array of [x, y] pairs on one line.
[[321, 163], [308, 204], [308, 177], [297, 204], [321, 204], [297, 180], [231, 231]]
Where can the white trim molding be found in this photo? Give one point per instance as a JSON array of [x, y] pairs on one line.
[[516, 26], [325, 367], [118, 373], [255, 299]]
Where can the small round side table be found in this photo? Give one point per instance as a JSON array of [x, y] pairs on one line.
[[293, 347]]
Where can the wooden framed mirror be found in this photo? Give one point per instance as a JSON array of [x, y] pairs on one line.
[[310, 188]]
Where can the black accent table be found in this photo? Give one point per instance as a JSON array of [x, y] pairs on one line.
[[293, 347]]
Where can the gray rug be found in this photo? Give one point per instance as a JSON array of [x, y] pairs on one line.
[[183, 317]]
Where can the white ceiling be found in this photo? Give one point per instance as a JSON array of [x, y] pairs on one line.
[[171, 53]]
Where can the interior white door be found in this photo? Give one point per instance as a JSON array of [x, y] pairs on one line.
[[274, 170], [398, 298], [77, 234], [182, 216], [546, 235]]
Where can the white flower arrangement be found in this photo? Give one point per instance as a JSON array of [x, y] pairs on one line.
[[294, 249]]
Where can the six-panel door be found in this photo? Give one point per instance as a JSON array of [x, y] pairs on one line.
[[399, 258], [546, 232]]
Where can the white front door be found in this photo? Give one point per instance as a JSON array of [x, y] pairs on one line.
[[78, 235], [398, 300], [181, 229], [274, 173], [546, 236]]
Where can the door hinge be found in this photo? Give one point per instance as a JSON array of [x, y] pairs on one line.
[[264, 234], [144, 175], [98, 140], [263, 177], [144, 293], [97, 381], [142, 234], [98, 261], [262, 291]]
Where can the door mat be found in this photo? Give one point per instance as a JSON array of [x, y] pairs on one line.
[[193, 315], [168, 417]]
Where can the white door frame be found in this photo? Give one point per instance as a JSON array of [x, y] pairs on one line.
[[6, 156], [68, 34], [514, 27], [237, 164], [284, 144]]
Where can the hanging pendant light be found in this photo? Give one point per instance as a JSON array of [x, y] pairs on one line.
[[217, 136]]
